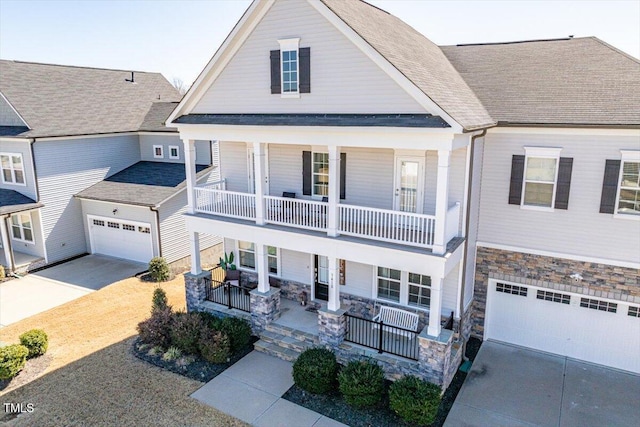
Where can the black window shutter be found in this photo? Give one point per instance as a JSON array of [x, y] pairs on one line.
[[564, 183], [610, 186], [343, 175], [306, 173], [517, 173], [305, 69], [275, 72]]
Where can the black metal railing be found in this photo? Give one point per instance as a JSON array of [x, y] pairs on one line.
[[384, 338], [224, 293], [448, 324]]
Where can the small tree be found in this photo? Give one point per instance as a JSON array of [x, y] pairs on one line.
[[158, 269], [159, 300]]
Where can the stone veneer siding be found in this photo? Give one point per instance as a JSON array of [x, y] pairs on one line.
[[195, 289], [265, 308], [599, 280]]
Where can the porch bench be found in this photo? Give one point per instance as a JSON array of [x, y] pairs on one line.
[[399, 318]]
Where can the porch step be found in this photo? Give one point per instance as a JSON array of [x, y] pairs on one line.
[[294, 333], [285, 341], [274, 349]]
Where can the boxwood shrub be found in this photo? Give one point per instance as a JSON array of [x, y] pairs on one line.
[[238, 330], [36, 341], [315, 370], [158, 269], [214, 346], [414, 400], [361, 383], [12, 360]]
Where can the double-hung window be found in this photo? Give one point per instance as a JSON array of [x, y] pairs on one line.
[[12, 168], [541, 171], [629, 190], [247, 257], [320, 174], [289, 66], [621, 186], [419, 290], [403, 287], [389, 281], [21, 227], [158, 152]]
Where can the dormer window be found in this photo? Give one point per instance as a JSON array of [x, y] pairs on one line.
[[290, 69], [158, 152]]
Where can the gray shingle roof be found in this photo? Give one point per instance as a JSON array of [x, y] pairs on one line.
[[580, 81], [364, 120], [58, 100], [415, 56], [11, 202], [156, 117], [143, 184]]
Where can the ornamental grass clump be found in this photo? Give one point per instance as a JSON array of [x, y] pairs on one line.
[[36, 341], [361, 383], [12, 360], [315, 371], [414, 400]]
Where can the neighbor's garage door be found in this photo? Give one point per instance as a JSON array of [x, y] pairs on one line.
[[586, 328], [121, 239]]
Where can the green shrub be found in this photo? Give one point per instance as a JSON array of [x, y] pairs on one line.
[[214, 346], [156, 330], [362, 383], [210, 320], [185, 332], [159, 300], [158, 269], [36, 341], [12, 360], [238, 330], [316, 370], [172, 353], [414, 400]]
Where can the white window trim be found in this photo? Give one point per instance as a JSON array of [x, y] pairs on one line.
[[625, 156], [546, 153], [313, 187], [404, 290], [253, 270], [22, 239], [13, 176], [289, 45], [278, 263], [177, 156], [161, 155]]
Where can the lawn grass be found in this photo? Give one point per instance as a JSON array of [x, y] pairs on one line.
[[92, 378]]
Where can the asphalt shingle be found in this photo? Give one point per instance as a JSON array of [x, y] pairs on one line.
[[11, 202]]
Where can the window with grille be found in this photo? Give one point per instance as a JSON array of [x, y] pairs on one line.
[[419, 290], [599, 305], [506, 288], [554, 297], [389, 284], [128, 227], [98, 222], [113, 224]]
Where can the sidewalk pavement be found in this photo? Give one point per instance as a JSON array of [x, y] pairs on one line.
[[251, 390]]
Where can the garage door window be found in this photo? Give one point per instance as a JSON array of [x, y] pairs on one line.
[[554, 297], [98, 222], [599, 305], [113, 224], [634, 311], [145, 230], [511, 289], [128, 227]]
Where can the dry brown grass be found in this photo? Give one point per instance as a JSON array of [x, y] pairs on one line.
[[93, 379]]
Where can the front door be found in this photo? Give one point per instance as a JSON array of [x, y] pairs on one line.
[[321, 278], [409, 182]]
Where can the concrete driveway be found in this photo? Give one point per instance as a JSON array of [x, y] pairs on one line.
[[512, 386], [38, 292]]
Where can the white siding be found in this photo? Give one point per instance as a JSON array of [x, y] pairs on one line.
[[233, 165], [67, 167], [358, 280], [285, 168], [343, 79], [369, 179], [296, 266], [203, 150], [23, 148], [580, 230], [472, 232], [8, 116], [450, 291], [125, 212], [174, 238], [37, 247]]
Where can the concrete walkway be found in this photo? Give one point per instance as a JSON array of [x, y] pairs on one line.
[[54, 286], [513, 386], [251, 390]]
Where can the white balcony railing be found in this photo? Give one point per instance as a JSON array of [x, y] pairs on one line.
[[225, 203], [453, 222], [386, 225], [300, 213]]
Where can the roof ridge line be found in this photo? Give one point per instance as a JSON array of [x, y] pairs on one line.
[[78, 66], [519, 41]]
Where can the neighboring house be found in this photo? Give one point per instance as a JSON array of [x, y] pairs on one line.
[[88, 166], [366, 167]]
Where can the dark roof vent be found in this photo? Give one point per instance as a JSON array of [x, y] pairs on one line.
[[132, 79], [570, 36]]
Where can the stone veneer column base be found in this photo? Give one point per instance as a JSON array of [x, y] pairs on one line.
[[434, 357], [195, 290], [332, 327], [265, 308]]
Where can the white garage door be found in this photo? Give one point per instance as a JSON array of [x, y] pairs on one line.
[[593, 329], [120, 238]]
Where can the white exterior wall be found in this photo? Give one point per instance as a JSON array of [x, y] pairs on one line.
[[296, 266], [358, 279], [203, 149], [29, 189], [343, 79], [233, 165], [581, 230], [285, 169], [450, 291], [37, 247], [8, 116], [66, 167], [125, 212]]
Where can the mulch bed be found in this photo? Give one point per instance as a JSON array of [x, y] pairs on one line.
[[32, 370], [189, 366], [333, 406]]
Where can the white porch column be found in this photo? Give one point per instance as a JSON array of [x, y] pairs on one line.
[[334, 284], [259, 156], [442, 202], [194, 247], [333, 207], [6, 244], [190, 169], [435, 306], [262, 267]]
